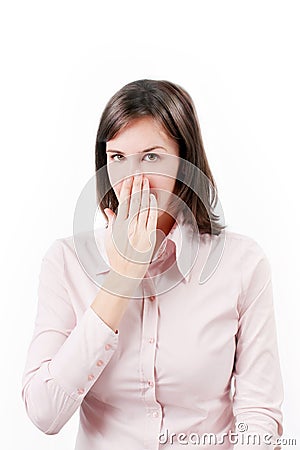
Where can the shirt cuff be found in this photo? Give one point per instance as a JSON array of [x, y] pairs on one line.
[[84, 355]]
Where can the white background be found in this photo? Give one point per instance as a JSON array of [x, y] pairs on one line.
[[61, 61]]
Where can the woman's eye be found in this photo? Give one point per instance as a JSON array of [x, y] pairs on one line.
[[153, 157], [113, 156], [153, 154]]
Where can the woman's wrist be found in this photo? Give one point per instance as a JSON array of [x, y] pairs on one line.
[[121, 285]]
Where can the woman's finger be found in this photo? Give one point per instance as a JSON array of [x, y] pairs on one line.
[[144, 209], [135, 199], [153, 213], [125, 192]]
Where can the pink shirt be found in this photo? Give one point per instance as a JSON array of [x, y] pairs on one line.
[[187, 359]]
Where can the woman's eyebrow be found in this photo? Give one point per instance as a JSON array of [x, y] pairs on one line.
[[143, 151]]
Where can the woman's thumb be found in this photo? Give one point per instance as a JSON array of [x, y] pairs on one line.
[[110, 215]]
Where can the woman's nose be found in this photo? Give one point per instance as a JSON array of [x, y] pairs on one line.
[[134, 165]]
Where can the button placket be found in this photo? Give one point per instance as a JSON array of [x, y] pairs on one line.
[[147, 363]]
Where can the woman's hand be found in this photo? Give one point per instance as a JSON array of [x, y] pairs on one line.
[[131, 235]]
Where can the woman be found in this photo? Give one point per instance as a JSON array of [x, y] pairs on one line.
[[154, 355]]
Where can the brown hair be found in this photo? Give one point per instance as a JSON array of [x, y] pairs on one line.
[[173, 108]]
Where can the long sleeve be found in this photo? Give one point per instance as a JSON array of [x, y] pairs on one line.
[[258, 383], [65, 356]]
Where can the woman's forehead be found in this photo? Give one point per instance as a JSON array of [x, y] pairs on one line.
[[141, 135]]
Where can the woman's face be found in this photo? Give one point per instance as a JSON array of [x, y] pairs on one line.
[[143, 146]]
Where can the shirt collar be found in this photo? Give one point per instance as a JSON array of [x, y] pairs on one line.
[[182, 235]]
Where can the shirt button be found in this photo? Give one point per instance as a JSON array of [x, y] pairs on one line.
[[155, 414], [107, 347], [80, 391], [91, 377], [152, 297], [151, 340], [150, 383], [100, 362]]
